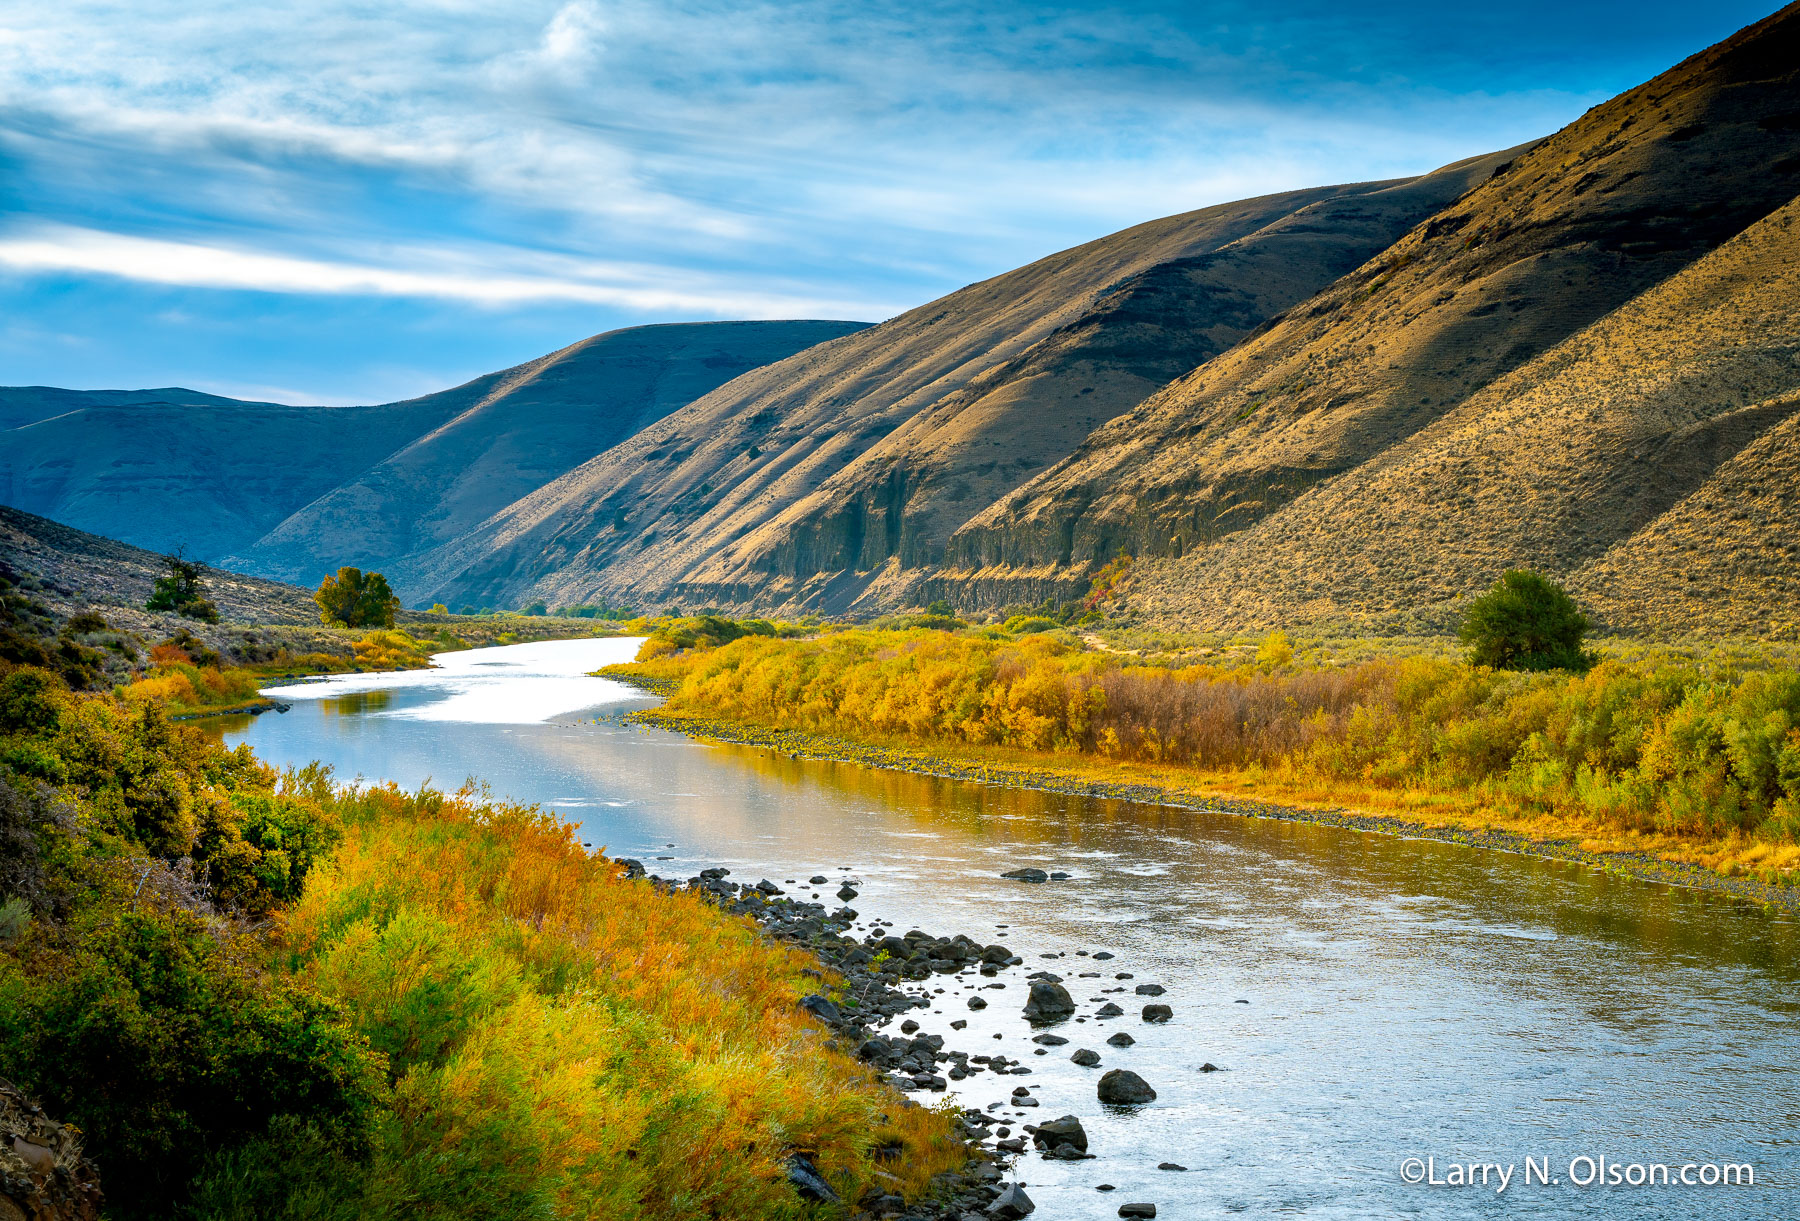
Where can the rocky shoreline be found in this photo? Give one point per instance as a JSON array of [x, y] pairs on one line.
[[877, 968], [801, 745]]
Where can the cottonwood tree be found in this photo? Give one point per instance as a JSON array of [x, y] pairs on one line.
[[1526, 622], [354, 598]]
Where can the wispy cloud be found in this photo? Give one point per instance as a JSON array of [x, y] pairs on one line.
[[60, 248], [654, 159]]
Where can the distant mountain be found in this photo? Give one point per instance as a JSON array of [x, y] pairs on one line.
[[22, 405], [170, 468], [837, 476]]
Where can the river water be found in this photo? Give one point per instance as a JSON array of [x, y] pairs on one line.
[[1368, 999]]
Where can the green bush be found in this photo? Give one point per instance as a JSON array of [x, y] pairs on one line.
[[1525, 622], [156, 1035], [182, 591], [354, 598]]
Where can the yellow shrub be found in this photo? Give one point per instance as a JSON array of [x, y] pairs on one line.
[[604, 1049]]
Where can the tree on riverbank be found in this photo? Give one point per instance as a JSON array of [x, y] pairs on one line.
[[354, 598], [1526, 622]]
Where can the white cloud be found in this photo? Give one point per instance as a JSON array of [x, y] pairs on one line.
[[453, 276]]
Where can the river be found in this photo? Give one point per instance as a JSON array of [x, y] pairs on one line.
[[1368, 998]]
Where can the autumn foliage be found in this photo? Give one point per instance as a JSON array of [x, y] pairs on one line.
[[1675, 749], [262, 996], [354, 598]]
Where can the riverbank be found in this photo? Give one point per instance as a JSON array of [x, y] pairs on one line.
[[403, 1002], [1646, 860]]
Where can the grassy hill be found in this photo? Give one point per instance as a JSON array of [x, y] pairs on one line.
[[1629, 455], [1446, 409], [835, 475], [331, 485]]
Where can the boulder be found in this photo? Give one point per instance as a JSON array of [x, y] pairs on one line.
[[1108, 1010], [1087, 1058], [822, 1008], [808, 1183], [975, 1002], [1012, 1203], [1121, 1040], [846, 893], [1064, 1131], [1027, 875], [1150, 989], [1158, 1013], [1137, 1210], [1048, 1002], [1122, 1087]]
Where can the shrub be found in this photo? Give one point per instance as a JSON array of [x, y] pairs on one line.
[[1275, 651], [1525, 622], [391, 650], [182, 591], [1635, 746], [354, 598]]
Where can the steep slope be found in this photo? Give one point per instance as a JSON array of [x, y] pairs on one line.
[[1725, 561], [826, 477], [1617, 202], [177, 469], [82, 569], [529, 426], [1652, 456]]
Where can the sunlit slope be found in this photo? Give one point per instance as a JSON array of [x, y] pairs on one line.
[[518, 431], [1652, 455], [1725, 560], [824, 476], [1611, 206], [331, 485]]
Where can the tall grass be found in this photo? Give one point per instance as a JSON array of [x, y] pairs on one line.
[[564, 1042], [262, 997], [1677, 749]]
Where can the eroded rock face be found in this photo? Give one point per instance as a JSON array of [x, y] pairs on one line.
[[43, 1173]]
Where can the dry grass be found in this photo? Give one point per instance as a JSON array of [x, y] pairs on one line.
[[577, 1038]]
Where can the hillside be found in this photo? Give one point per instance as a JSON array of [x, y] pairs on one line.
[[74, 570], [22, 405], [1652, 455], [163, 469], [526, 427], [1405, 391], [821, 477]]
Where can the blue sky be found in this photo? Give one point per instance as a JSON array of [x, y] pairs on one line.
[[346, 202]]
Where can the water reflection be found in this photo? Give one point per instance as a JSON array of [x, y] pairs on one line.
[[1369, 998], [356, 703]]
